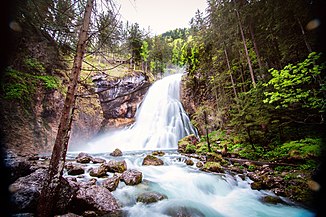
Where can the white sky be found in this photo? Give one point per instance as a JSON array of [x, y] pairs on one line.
[[160, 15]]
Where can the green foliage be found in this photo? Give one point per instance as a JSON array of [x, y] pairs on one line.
[[19, 85], [298, 84], [304, 148], [34, 66], [50, 82], [190, 149]]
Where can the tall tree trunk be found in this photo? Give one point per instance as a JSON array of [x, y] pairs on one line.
[[47, 200], [251, 29], [231, 77], [304, 36], [246, 50]]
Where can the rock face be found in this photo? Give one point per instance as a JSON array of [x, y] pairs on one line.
[[119, 98]]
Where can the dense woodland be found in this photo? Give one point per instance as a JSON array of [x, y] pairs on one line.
[[255, 69]]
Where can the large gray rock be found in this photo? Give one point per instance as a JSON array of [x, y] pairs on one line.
[[94, 198], [132, 177], [116, 166], [111, 183], [25, 193]]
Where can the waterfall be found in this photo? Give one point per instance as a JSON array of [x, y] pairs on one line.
[[161, 121]]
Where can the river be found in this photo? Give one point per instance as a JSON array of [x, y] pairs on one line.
[[160, 122]]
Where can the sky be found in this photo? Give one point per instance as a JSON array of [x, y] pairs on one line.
[[160, 15]]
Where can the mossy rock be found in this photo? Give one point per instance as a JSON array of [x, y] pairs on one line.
[[184, 142], [213, 167]]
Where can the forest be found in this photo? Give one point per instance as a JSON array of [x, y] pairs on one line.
[[254, 82]]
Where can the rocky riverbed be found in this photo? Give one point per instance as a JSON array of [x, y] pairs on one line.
[[89, 182]]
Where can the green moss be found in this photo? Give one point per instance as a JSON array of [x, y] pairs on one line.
[[190, 149], [18, 85]]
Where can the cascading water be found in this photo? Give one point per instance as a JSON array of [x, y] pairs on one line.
[[160, 121]]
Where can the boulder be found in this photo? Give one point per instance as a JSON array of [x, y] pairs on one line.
[[150, 197], [94, 198], [116, 153], [116, 166], [83, 158], [99, 171], [151, 160], [213, 167], [25, 191], [189, 162], [111, 183], [73, 169], [97, 160], [183, 211], [158, 153], [132, 177], [18, 168]]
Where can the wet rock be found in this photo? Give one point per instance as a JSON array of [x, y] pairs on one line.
[[158, 153], [99, 171], [73, 169], [132, 177], [18, 167], [189, 162], [97, 160], [199, 164], [94, 198], [213, 167], [111, 183], [83, 158], [116, 166], [271, 199], [151, 160], [183, 212], [150, 197], [25, 191], [116, 153]]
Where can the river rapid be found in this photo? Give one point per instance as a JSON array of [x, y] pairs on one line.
[[160, 122]]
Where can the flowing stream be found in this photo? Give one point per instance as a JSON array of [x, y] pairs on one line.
[[160, 122]]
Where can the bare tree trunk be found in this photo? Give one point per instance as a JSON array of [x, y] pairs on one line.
[[304, 36], [47, 200], [251, 29], [246, 50], [231, 77]]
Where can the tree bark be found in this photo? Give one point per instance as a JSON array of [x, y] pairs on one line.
[[246, 50], [304, 36], [49, 193], [251, 29], [231, 77]]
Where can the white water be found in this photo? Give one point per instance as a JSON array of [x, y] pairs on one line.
[[195, 192], [160, 122]]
